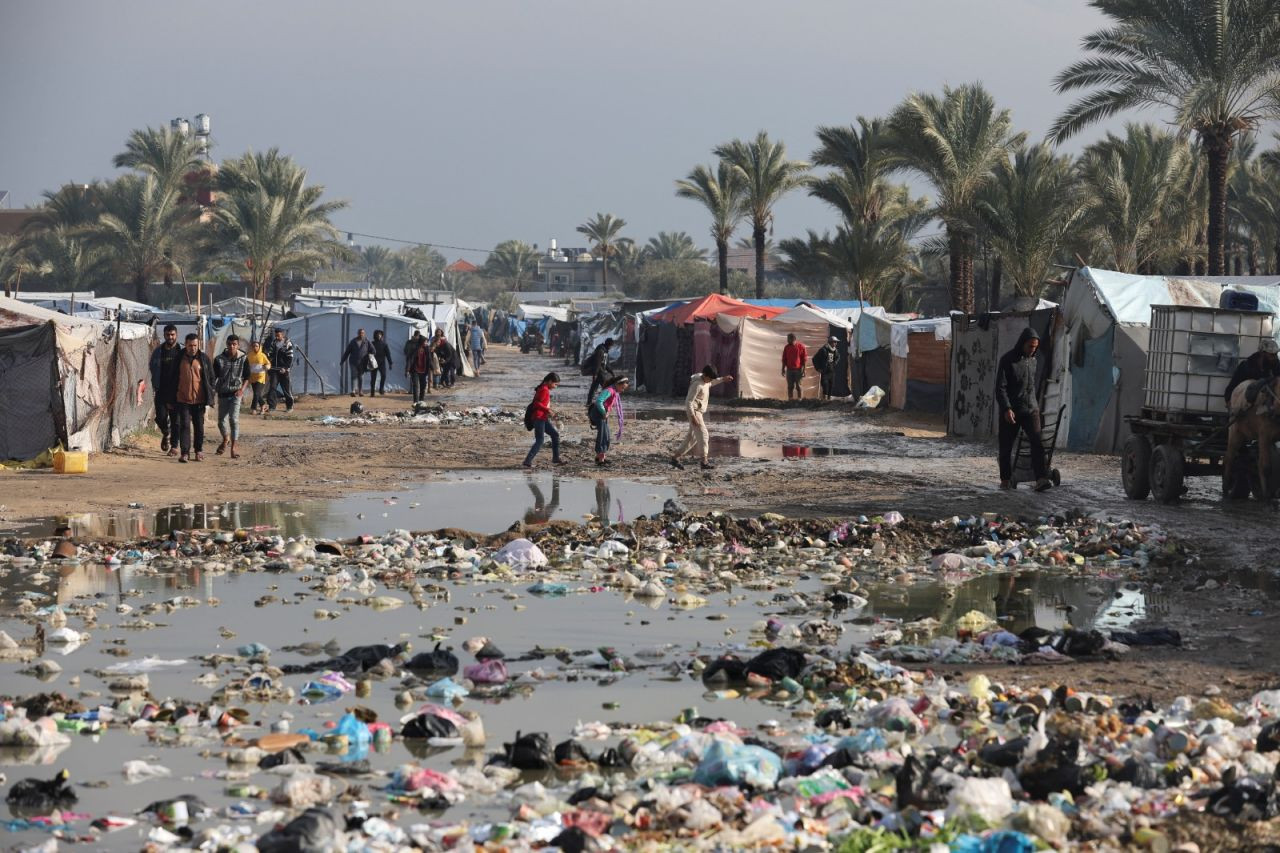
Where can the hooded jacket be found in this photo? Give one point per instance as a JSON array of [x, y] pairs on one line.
[[1016, 377]]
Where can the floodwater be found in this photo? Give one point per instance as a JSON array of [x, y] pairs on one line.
[[744, 448], [215, 612], [484, 502], [717, 415]]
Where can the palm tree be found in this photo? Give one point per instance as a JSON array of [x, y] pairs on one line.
[[1027, 212], [953, 141], [767, 175], [1214, 63], [602, 231], [70, 206], [1257, 205], [873, 257], [806, 261], [627, 260], [271, 221], [514, 260], [721, 191], [677, 246], [376, 264], [141, 227], [859, 158], [168, 156], [66, 258], [1132, 190], [14, 263]]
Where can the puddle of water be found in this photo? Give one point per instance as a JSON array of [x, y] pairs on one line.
[[745, 448], [649, 633], [485, 502]]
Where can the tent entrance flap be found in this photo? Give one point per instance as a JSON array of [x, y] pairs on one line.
[[29, 395]]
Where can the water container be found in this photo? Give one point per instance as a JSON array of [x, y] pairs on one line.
[[70, 461], [1238, 300]]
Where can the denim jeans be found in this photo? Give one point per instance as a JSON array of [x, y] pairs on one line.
[[229, 417], [418, 384], [541, 429], [602, 437]]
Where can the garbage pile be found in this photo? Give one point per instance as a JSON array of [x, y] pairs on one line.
[[425, 413], [392, 743]]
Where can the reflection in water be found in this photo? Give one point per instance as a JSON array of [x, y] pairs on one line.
[[489, 502], [744, 448]]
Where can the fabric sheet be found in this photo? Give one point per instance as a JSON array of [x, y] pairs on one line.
[[760, 359]]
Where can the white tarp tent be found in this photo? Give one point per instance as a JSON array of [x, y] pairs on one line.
[[760, 348], [320, 340], [1100, 348]]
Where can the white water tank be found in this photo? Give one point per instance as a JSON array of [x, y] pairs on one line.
[[202, 124], [180, 126]]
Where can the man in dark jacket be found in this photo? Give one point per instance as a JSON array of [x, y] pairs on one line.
[[447, 354], [1018, 401], [827, 361], [230, 378], [280, 352], [382, 353], [195, 392], [164, 384], [356, 357], [1262, 365]]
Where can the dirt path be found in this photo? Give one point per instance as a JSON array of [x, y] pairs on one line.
[[880, 461]]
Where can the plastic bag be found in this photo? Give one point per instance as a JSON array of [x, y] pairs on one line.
[[491, 671], [733, 764], [989, 799], [872, 398], [521, 553], [446, 688]]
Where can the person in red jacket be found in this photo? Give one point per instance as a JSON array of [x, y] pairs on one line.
[[794, 358], [542, 421]]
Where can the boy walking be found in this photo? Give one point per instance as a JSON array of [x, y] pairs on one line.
[[695, 404]]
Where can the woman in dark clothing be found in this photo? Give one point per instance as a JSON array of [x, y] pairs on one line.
[[418, 369], [382, 352], [543, 425]]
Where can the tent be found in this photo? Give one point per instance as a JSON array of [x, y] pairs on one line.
[[838, 327], [711, 306], [759, 369], [1100, 346], [919, 351], [78, 382], [321, 339]]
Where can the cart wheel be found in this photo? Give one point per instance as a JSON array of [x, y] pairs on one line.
[[1135, 467], [1166, 473], [1055, 476]]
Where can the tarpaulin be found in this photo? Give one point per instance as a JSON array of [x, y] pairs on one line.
[[760, 358]]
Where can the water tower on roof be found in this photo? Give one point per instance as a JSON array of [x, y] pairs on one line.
[[203, 129]]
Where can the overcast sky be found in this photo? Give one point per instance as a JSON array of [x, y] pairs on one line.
[[467, 123]]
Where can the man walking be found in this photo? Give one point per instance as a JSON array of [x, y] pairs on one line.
[[447, 354], [382, 353], [826, 361], [418, 368], [279, 384], [794, 357], [478, 347], [195, 392], [164, 384], [695, 406], [230, 378], [356, 357], [1020, 408]]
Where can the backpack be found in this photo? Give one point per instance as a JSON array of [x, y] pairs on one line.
[[593, 414], [528, 416]]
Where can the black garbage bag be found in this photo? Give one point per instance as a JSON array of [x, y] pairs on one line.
[[1137, 773], [1079, 644], [1055, 768], [612, 758], [1005, 754], [42, 795], [1244, 799], [727, 668], [437, 662], [1268, 738], [777, 664], [1148, 637], [833, 718], [908, 782], [528, 752], [313, 831], [582, 795], [195, 806], [292, 755], [489, 651], [360, 767], [353, 661], [428, 726], [571, 752], [571, 840]]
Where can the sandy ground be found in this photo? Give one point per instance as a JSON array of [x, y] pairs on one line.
[[887, 461]]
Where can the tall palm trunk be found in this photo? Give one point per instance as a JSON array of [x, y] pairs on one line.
[[722, 255], [960, 245], [758, 235], [604, 271], [997, 273], [1217, 148], [140, 288]]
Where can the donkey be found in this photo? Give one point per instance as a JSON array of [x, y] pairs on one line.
[[1260, 422]]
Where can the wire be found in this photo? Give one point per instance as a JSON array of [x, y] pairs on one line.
[[419, 243]]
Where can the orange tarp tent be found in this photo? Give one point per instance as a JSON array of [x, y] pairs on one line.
[[707, 307]]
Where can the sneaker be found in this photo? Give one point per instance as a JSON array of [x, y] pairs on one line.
[[164, 443], [559, 462], [173, 451], [706, 466], [676, 463], [1044, 484], [288, 408], [526, 464], [183, 459]]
